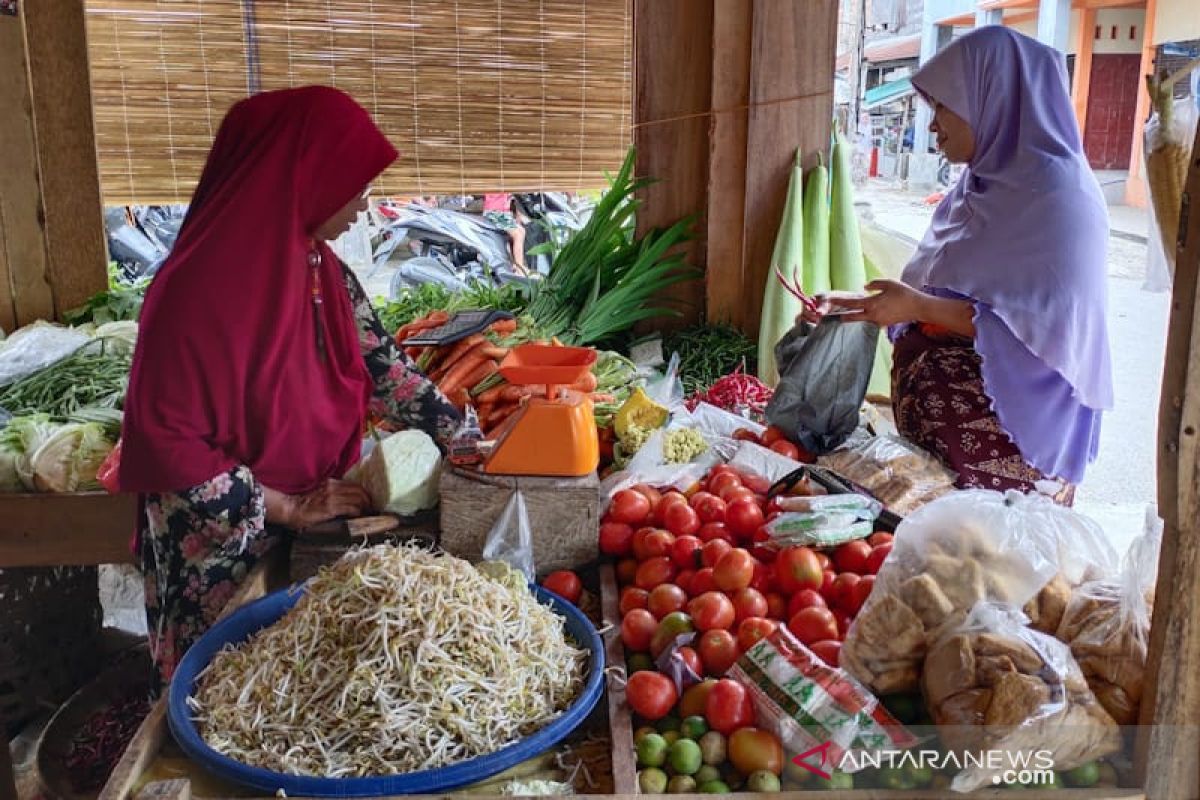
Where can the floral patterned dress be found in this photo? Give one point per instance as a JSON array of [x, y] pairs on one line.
[[197, 546]]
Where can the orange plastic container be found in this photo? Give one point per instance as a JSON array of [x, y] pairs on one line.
[[532, 364]]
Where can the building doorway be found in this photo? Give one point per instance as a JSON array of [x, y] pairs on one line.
[[1111, 108]]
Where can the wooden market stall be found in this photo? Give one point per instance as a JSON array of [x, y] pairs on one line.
[[725, 91]]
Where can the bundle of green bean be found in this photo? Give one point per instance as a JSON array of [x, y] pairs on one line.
[[88, 379], [708, 353]]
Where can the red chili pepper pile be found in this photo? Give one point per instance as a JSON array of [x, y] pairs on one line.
[[98, 746], [736, 392]]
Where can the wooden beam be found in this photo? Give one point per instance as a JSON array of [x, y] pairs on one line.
[[1099, 4], [1167, 751], [1017, 19], [46, 530], [1135, 185], [1085, 38], [961, 21], [992, 5]]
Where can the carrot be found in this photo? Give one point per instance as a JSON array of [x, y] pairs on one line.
[[460, 348], [460, 398], [587, 384], [414, 352], [491, 395], [604, 398], [504, 326], [456, 375], [439, 317], [513, 394], [498, 353], [481, 372], [554, 341], [502, 413], [484, 410]]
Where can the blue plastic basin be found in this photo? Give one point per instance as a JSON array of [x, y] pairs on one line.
[[254, 617]]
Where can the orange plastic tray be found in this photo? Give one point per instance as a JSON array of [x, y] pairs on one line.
[[532, 364]]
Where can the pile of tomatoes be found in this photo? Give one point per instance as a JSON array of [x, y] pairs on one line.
[[775, 439]]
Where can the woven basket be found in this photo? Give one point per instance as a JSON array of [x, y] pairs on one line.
[[50, 627]]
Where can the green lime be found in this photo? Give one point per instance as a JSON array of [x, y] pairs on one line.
[[669, 723], [920, 776], [839, 780], [707, 774], [714, 748], [1083, 776], [685, 757], [714, 787], [652, 781], [796, 774], [1109, 776], [892, 778], [682, 784], [639, 662], [693, 727], [652, 750], [671, 736], [762, 781], [642, 733]]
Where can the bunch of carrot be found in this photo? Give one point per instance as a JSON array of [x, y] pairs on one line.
[[459, 367]]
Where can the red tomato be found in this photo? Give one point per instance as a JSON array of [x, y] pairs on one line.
[[665, 598], [756, 483], [684, 580], [699, 497], [749, 603], [725, 480], [638, 542], [859, 594], [629, 507], [753, 629], [702, 583], [669, 499], [880, 537], [734, 493], [754, 750], [743, 518], [714, 551], [711, 509], [729, 707], [695, 699], [827, 579], [718, 651], [879, 554], [626, 571], [632, 597], [692, 659], [772, 435], [761, 579], [786, 449], [767, 555], [852, 557], [777, 606], [772, 506], [711, 611], [806, 598], [721, 469], [651, 494], [715, 530], [685, 552], [843, 621], [841, 595], [825, 562], [797, 568], [637, 629], [650, 694], [828, 650], [565, 584], [654, 544], [654, 572], [616, 539], [813, 624], [745, 435], [681, 520], [734, 570]]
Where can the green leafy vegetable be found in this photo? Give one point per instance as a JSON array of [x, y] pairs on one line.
[[417, 302], [121, 301]]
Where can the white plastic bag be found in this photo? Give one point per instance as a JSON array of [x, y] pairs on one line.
[[1168, 145], [36, 347], [510, 540]]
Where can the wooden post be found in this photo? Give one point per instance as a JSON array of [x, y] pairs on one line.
[[1135, 186], [1082, 80], [1167, 751]]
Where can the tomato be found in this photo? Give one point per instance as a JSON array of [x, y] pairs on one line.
[[712, 610], [762, 577], [655, 571], [651, 543], [825, 562], [806, 598], [859, 594], [718, 651], [745, 435], [879, 554], [626, 571], [729, 707], [715, 530], [669, 499], [694, 702], [616, 539], [766, 554], [797, 568], [637, 629], [711, 509], [786, 449], [681, 520], [691, 659], [880, 537], [749, 603], [754, 750], [752, 630], [684, 580], [714, 551], [777, 606], [843, 622], [734, 570], [813, 624], [629, 507], [685, 552], [772, 507], [665, 598], [702, 583], [772, 435], [725, 480], [828, 650], [699, 497], [565, 584], [852, 557], [721, 469], [632, 597], [743, 518], [756, 483], [650, 694], [841, 594], [670, 628], [650, 493], [734, 493]]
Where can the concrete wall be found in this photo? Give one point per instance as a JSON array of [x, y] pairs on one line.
[[1123, 19], [1177, 21]]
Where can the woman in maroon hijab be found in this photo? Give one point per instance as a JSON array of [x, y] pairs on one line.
[[259, 359]]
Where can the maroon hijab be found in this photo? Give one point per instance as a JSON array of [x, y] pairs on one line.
[[227, 369]]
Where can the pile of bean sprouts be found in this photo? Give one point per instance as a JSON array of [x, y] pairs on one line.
[[394, 660]]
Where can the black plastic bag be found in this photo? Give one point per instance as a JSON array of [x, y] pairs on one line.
[[823, 375]]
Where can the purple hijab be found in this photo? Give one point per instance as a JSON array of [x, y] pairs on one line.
[[1024, 235]]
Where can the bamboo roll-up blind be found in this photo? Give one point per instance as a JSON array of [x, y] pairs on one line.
[[478, 95]]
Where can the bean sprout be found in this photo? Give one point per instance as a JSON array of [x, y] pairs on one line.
[[394, 660]]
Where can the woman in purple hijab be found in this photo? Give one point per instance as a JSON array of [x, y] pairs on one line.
[[1001, 348]]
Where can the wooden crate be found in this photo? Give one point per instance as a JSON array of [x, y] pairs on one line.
[[564, 515]]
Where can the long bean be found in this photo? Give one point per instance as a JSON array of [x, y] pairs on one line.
[[89, 378]]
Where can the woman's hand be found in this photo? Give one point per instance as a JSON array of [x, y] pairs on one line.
[[331, 500], [893, 303]]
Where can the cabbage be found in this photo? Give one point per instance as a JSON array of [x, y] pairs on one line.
[[119, 337], [401, 473], [19, 440], [68, 460]]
